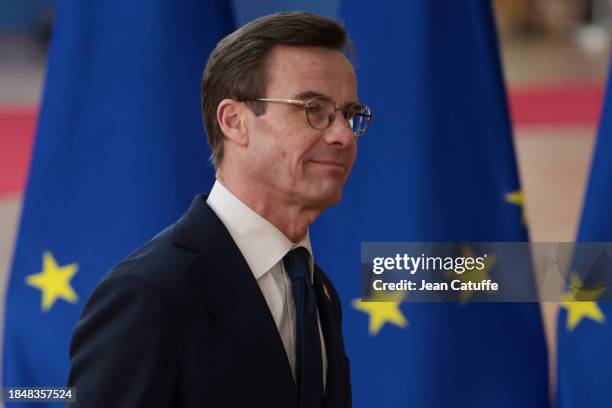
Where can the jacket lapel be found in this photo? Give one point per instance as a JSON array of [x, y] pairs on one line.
[[337, 370], [232, 295]]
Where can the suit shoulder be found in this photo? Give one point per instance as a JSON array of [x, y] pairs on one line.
[[159, 263]]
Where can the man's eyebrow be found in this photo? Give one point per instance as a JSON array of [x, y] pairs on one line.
[[312, 94]]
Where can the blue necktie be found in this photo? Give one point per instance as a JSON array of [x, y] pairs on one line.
[[309, 367]]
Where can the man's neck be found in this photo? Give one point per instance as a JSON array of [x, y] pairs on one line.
[[291, 219]]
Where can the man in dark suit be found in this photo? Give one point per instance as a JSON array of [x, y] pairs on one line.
[[227, 308]]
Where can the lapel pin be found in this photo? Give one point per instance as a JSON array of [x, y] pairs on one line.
[[326, 292]]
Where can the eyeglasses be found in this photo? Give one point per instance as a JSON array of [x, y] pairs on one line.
[[321, 113]]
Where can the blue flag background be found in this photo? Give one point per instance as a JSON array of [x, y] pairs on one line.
[[119, 154], [584, 328], [437, 165]]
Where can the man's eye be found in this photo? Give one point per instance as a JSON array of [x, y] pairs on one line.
[[313, 108]]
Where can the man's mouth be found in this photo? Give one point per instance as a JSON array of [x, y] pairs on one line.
[[330, 164]]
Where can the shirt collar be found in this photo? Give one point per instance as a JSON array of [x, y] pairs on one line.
[[262, 244]]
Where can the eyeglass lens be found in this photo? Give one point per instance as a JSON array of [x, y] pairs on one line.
[[321, 113]]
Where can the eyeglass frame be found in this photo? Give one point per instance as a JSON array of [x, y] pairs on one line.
[[306, 104]]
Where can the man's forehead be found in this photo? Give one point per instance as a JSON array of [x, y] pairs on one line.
[[309, 58], [320, 70]]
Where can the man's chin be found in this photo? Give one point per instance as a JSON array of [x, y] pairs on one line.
[[323, 201]]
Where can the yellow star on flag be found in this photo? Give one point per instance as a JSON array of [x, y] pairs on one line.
[[581, 303], [517, 198], [382, 312], [475, 275], [54, 282]]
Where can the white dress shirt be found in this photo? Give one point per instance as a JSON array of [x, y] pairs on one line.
[[263, 246]]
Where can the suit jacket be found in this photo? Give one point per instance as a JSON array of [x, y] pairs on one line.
[[182, 323]]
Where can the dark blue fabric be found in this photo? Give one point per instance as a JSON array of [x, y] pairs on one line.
[[436, 165], [119, 153], [309, 370], [182, 323], [584, 354]]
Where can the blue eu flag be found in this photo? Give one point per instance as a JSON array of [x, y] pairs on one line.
[[585, 327], [437, 165], [119, 154]]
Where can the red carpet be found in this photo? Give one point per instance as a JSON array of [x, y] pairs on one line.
[[535, 105], [17, 125], [557, 105]]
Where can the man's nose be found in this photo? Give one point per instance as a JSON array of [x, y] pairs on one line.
[[340, 133]]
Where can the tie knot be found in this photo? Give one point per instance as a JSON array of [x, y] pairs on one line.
[[296, 263]]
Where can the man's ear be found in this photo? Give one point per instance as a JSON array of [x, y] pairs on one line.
[[230, 116]]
